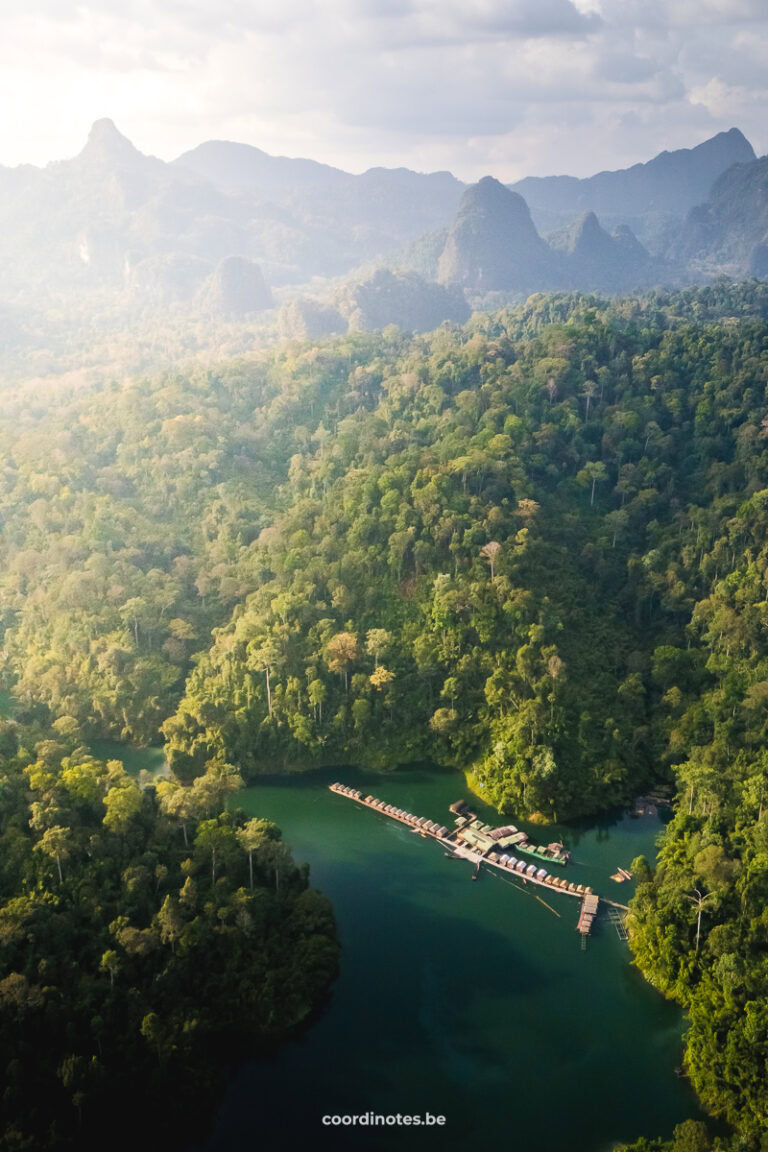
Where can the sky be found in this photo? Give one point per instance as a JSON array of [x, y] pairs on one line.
[[508, 87]]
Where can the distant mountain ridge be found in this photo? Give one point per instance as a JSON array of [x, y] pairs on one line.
[[384, 207], [729, 232], [600, 261], [669, 185], [493, 246], [225, 225]]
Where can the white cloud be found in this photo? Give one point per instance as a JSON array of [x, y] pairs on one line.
[[508, 86]]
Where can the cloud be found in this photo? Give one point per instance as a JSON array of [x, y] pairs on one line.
[[510, 86], [451, 21]]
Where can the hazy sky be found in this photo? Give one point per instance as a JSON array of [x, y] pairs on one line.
[[505, 86]]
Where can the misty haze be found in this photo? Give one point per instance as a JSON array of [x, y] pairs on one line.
[[116, 239]]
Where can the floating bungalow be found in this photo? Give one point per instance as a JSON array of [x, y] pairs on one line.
[[487, 840], [472, 840]]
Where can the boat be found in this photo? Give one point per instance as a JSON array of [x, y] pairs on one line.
[[554, 853]]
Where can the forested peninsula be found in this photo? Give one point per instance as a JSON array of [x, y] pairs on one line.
[[532, 548], [145, 946]]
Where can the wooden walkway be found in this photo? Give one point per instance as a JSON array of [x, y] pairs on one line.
[[615, 904], [531, 874], [439, 832]]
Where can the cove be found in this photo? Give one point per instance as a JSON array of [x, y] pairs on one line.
[[133, 759], [467, 999]]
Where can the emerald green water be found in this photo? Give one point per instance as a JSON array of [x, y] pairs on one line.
[[133, 759], [468, 999]]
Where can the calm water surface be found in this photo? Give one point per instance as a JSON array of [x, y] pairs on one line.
[[472, 1000], [468, 999], [133, 759]]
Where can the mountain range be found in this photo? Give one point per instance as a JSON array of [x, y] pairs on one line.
[[228, 230], [645, 197], [493, 246]]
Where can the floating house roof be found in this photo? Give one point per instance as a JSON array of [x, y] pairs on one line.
[[477, 838], [514, 838]]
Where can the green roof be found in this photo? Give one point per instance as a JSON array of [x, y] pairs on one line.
[[515, 839]]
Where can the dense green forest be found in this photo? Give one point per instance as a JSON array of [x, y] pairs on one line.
[[477, 564], [148, 938], [533, 548], [700, 926]]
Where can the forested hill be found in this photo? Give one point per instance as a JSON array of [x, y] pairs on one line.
[[533, 547], [482, 550], [506, 508]]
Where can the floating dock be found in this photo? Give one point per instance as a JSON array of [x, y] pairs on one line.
[[417, 823], [587, 915], [528, 873], [486, 840]]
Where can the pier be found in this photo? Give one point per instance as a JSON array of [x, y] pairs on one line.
[[527, 872], [417, 823]]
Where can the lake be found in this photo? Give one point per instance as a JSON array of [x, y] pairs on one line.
[[468, 999], [471, 1000]]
